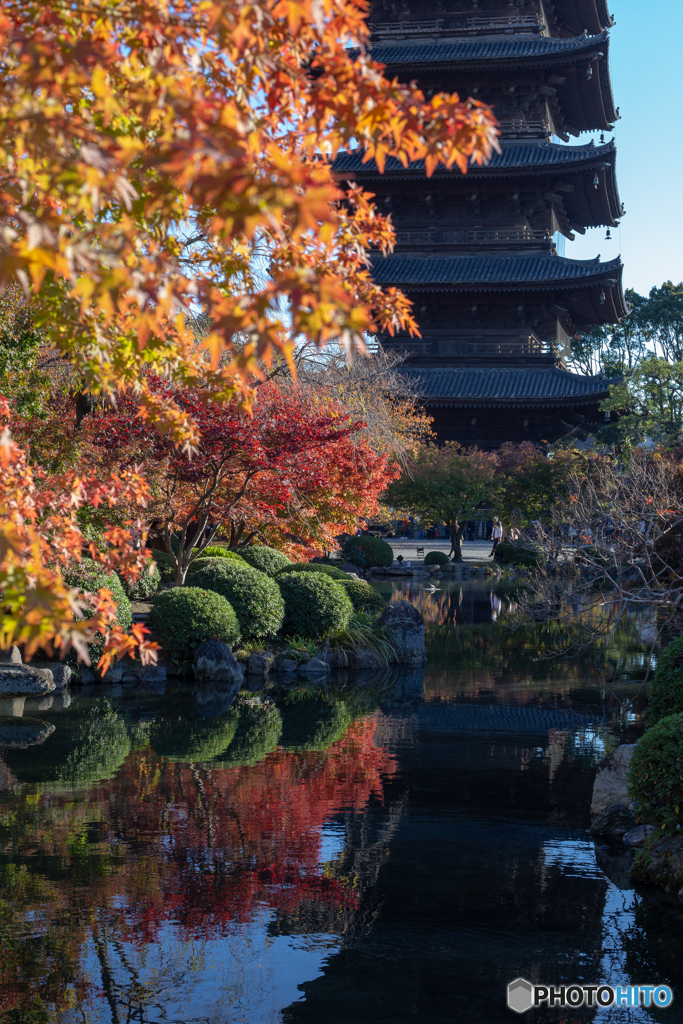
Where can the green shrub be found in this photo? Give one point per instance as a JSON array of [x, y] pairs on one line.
[[436, 558], [666, 692], [183, 738], [520, 554], [185, 617], [259, 728], [216, 551], [89, 575], [363, 596], [267, 560], [328, 570], [146, 585], [165, 565], [656, 775], [313, 724], [314, 604], [89, 745], [369, 552], [255, 597]]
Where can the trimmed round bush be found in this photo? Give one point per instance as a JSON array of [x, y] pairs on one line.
[[328, 570], [666, 692], [656, 775], [183, 618], [519, 554], [314, 604], [146, 585], [255, 597], [313, 724], [436, 558], [89, 575], [216, 551], [258, 732], [369, 552], [208, 560], [265, 559], [363, 596]]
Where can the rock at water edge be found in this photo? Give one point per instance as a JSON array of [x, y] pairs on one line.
[[611, 782], [407, 625]]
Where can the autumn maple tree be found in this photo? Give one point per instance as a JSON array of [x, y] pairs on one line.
[[296, 473], [164, 160]]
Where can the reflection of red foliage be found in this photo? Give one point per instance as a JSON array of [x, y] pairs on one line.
[[226, 839], [199, 847]]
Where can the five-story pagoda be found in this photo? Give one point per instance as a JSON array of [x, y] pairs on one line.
[[497, 306]]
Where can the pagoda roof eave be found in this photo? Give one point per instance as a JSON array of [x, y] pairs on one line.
[[585, 207], [504, 387], [574, 109], [577, 15]]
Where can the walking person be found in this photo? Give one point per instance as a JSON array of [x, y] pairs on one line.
[[496, 534]]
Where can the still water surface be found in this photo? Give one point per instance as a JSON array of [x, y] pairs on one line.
[[398, 851]]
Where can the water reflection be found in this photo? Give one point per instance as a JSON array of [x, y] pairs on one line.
[[394, 848]]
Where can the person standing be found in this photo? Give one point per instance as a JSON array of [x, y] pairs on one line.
[[496, 534]]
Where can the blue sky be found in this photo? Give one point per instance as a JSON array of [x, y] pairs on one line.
[[646, 58]]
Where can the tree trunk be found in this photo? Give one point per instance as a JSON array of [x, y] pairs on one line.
[[455, 531]]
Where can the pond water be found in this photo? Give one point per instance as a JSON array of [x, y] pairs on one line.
[[397, 850]]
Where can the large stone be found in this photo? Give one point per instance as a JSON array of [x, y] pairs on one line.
[[615, 821], [661, 864], [61, 673], [214, 662], [351, 569], [11, 657], [406, 623], [22, 680], [286, 665], [260, 664], [314, 667], [637, 836], [611, 782]]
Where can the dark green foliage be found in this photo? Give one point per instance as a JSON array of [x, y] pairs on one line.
[[666, 692], [89, 745], [255, 597], [656, 775], [146, 585], [363, 596], [314, 604], [265, 559], [313, 724], [259, 728], [368, 552], [89, 575], [192, 738], [518, 554], [184, 617], [436, 558], [165, 565], [329, 570]]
